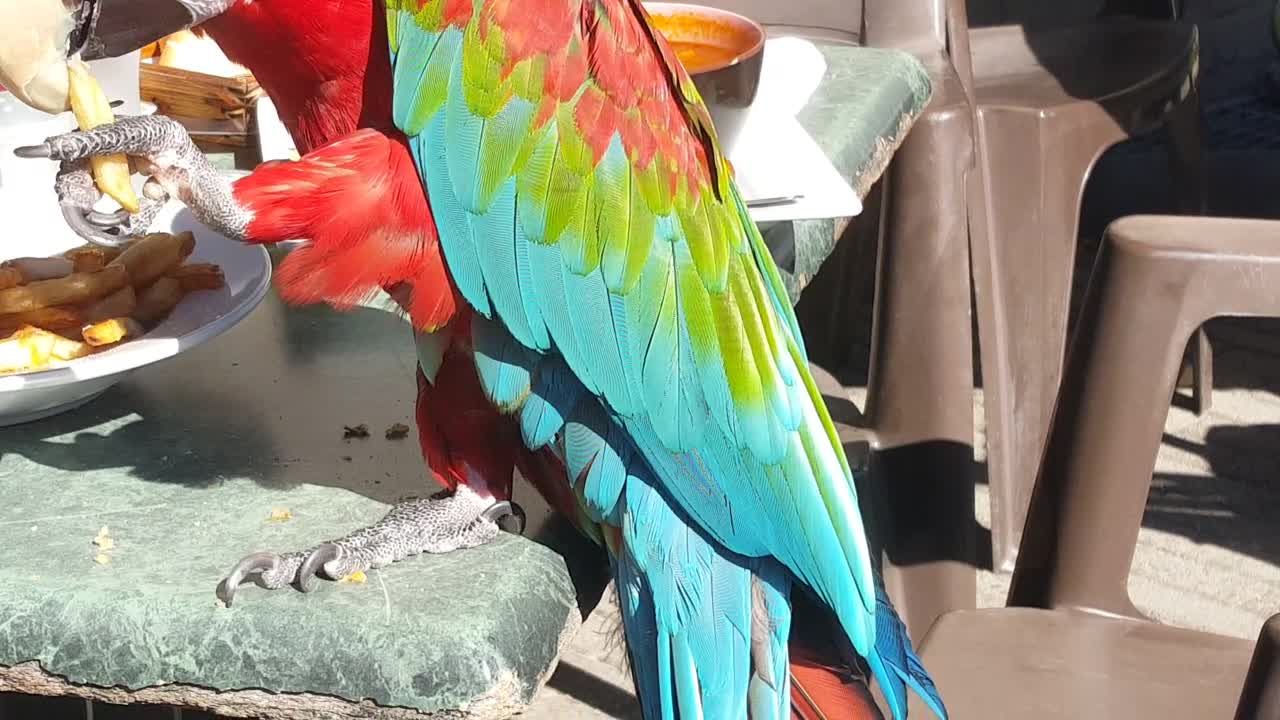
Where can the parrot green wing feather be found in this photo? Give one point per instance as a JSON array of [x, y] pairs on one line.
[[581, 199]]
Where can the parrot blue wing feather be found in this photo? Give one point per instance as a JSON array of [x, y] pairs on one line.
[[452, 220], [504, 365], [554, 394], [496, 243], [544, 265], [698, 429]]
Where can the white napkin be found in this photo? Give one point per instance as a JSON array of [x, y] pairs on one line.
[[775, 158]]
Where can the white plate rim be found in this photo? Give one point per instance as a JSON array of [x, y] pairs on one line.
[[107, 364]]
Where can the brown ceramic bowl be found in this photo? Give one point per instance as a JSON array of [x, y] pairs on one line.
[[723, 53]]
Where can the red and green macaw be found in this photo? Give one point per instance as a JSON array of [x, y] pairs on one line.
[[539, 186]]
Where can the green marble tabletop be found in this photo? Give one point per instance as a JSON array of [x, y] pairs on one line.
[[862, 110], [185, 461]]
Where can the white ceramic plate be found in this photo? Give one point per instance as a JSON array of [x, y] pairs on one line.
[[200, 317]]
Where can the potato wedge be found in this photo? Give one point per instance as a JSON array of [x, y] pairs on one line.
[[70, 290], [89, 104], [9, 277], [108, 253], [120, 303], [156, 301], [41, 268], [54, 318], [87, 259], [199, 276], [154, 255]]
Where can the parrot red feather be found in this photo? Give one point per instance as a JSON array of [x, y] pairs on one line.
[[358, 201]]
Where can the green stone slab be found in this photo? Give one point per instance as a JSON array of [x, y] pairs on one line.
[[862, 110], [184, 463]]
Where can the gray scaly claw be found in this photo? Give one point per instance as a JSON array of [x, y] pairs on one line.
[[432, 525], [77, 195], [320, 559], [265, 569], [166, 152]]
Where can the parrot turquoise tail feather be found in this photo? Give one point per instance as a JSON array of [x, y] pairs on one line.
[[708, 628], [899, 666]]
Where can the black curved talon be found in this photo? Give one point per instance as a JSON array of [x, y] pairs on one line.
[[316, 562], [83, 226], [34, 151], [108, 220], [507, 515], [250, 567]]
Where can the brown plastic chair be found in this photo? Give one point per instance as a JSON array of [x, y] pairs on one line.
[[1260, 699], [1050, 101], [919, 407], [1071, 644]]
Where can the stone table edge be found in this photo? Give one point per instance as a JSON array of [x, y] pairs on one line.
[[31, 678]]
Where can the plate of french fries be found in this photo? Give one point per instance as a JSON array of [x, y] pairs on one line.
[[75, 321]]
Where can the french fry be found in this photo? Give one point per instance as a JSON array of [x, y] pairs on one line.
[[31, 348], [87, 259], [158, 300], [109, 332], [46, 268], [50, 318], [120, 303], [108, 253], [73, 289], [154, 255], [88, 299], [89, 104], [199, 276]]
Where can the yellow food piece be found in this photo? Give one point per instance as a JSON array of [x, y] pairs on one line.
[[103, 539], [280, 515], [355, 577], [31, 347], [109, 332], [90, 106], [102, 559]]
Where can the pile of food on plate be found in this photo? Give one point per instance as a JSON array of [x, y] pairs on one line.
[[90, 298]]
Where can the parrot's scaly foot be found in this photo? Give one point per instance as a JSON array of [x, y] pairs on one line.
[[438, 524], [161, 148], [77, 195]]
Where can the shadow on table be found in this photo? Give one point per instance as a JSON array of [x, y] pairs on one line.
[[265, 402], [145, 439]]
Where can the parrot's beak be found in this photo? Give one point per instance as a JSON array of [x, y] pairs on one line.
[[37, 37]]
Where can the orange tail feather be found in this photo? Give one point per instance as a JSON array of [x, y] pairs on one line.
[[825, 684]]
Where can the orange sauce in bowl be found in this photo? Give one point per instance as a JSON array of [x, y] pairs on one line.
[[701, 57], [702, 42]]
